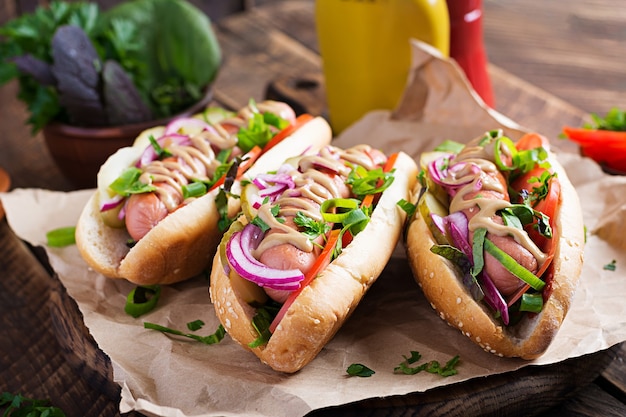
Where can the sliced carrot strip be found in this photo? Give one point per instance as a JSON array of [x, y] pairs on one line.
[[249, 159]]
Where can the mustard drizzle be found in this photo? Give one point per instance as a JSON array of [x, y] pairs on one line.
[[196, 161], [312, 188], [484, 218]]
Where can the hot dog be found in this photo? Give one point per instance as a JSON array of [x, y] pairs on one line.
[[155, 217], [496, 241], [314, 237]]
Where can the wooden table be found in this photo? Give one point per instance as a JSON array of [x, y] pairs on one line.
[[277, 41]]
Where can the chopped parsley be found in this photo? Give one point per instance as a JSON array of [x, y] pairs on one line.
[[612, 266], [18, 405], [433, 367], [309, 227], [364, 182], [357, 369], [408, 207], [207, 340]]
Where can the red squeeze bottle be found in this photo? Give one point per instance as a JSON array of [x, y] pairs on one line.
[[467, 46]]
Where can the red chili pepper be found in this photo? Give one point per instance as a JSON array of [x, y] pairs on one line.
[[606, 147], [584, 136]]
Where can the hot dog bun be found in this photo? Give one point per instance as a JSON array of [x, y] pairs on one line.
[[323, 306], [442, 285], [182, 244]]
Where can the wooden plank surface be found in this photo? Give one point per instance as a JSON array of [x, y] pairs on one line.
[[574, 49]]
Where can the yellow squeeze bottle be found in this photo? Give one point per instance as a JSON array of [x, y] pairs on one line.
[[365, 50]]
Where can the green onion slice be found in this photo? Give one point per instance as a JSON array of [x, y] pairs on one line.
[[531, 302], [63, 236], [513, 267], [344, 206], [504, 144], [207, 340], [194, 189], [142, 299]]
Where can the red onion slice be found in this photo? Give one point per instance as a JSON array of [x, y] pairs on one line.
[[272, 185], [458, 227], [493, 297], [239, 256], [112, 203], [176, 125]]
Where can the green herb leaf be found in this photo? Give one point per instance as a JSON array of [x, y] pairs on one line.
[[195, 325], [207, 340], [615, 119], [360, 370], [520, 215], [257, 221], [433, 367], [311, 228], [452, 254], [158, 149], [128, 183], [260, 130], [261, 323], [142, 299], [450, 146], [20, 406], [477, 250], [364, 182], [63, 236], [612, 266], [221, 202], [407, 206]]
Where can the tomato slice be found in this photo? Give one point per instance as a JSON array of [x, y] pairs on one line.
[[547, 206], [532, 141]]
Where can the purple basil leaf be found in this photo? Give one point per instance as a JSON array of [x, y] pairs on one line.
[[40, 70], [123, 101], [76, 68]]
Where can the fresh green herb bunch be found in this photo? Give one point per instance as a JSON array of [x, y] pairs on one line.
[[16, 405], [615, 119], [140, 60]]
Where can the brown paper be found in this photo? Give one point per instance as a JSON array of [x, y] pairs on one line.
[[167, 376]]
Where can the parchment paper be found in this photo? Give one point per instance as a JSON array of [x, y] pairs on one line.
[[167, 376]]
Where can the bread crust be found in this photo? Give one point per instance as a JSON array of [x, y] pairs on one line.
[[323, 306], [442, 286], [181, 245]]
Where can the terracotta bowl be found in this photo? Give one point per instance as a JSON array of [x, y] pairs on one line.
[[5, 184], [79, 152]]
